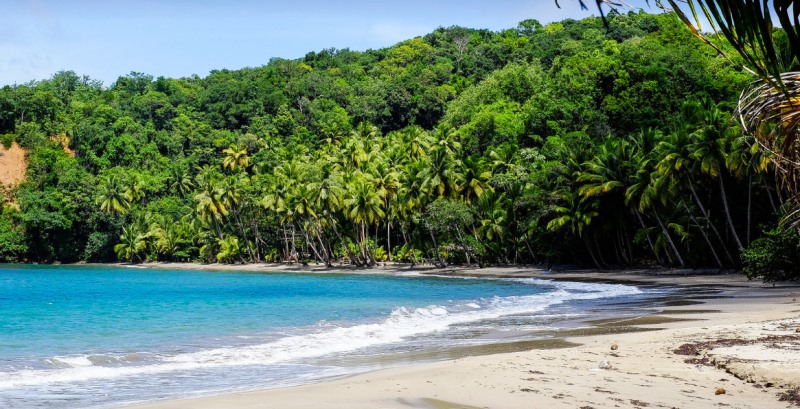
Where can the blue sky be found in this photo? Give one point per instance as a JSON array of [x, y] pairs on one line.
[[109, 38]]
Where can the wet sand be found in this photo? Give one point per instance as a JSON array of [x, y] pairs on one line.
[[743, 338]]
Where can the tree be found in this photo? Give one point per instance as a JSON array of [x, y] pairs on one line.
[[132, 244], [450, 217], [236, 158], [113, 196]]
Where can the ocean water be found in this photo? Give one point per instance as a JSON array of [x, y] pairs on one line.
[[85, 337]]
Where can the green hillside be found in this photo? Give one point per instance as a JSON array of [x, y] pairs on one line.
[[562, 143]]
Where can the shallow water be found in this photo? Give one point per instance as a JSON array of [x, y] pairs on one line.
[[75, 337]]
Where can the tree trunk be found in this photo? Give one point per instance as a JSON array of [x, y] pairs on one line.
[[389, 239], [435, 246], [771, 199], [724, 195], [463, 246], [649, 240], [708, 218], [669, 239], [286, 255], [591, 253], [705, 236], [347, 250], [528, 245], [749, 207], [310, 243]]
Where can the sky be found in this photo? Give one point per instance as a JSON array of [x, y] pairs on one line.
[[106, 39]]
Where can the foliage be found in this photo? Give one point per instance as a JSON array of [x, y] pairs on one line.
[[774, 257]]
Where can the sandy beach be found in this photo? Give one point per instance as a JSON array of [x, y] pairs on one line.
[[739, 348]]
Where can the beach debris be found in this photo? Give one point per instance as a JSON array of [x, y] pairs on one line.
[[604, 365], [720, 391], [797, 330], [792, 396], [614, 346]]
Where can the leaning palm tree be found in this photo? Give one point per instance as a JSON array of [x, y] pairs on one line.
[[769, 108]]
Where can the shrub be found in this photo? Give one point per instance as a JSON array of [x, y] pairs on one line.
[[774, 257]]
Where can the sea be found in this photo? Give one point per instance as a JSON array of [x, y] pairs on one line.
[[106, 337]]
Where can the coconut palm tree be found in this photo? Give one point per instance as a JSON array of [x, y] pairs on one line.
[[132, 244], [364, 207], [112, 196], [475, 178], [575, 215], [710, 146], [181, 181]]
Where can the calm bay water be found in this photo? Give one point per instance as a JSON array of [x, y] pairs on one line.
[[75, 337]]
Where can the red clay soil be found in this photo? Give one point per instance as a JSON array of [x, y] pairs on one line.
[[12, 165]]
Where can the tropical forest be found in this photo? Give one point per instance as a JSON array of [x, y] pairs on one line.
[[603, 142]]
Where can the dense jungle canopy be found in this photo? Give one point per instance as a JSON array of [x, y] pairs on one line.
[[572, 142]]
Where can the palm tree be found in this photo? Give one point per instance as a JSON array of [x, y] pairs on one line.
[[576, 214], [181, 181], [171, 237], [441, 174], [678, 166], [364, 206], [236, 158], [710, 149], [606, 176], [112, 196], [210, 205], [387, 183], [493, 215], [475, 179], [132, 243], [228, 249]]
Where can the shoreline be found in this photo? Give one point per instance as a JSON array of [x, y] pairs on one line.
[[584, 372]]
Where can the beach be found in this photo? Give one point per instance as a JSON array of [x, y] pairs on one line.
[[737, 347]]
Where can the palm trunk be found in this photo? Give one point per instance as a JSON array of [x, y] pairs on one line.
[[724, 195], [389, 240], [649, 240], [669, 239], [347, 250], [749, 207], [323, 243], [708, 218], [599, 251], [703, 232], [435, 246], [591, 253], [771, 199], [463, 246], [310, 243], [294, 245], [528, 245], [287, 256], [238, 218]]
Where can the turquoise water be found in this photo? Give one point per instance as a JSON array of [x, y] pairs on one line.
[[77, 337]]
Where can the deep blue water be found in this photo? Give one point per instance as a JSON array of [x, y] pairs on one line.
[[77, 337]]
